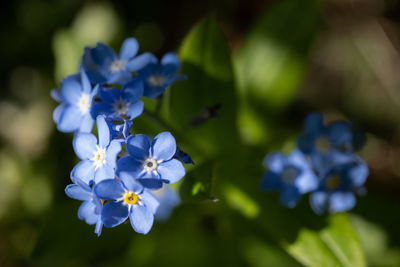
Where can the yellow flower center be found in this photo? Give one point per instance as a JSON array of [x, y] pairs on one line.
[[322, 144], [333, 182], [130, 198]]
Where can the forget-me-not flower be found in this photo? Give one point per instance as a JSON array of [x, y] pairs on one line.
[[183, 156], [122, 104], [98, 158], [120, 132], [75, 97], [127, 198], [158, 76], [335, 192], [90, 209], [291, 175], [104, 66], [151, 160]]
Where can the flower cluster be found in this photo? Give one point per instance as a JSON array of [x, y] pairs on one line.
[[324, 164], [121, 175]]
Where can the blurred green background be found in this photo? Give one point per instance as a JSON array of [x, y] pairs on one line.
[[267, 64]]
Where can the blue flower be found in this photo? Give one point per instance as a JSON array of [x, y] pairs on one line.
[[336, 189], [168, 199], [122, 104], [183, 156], [158, 76], [320, 138], [128, 198], [153, 160], [98, 159], [104, 66], [75, 97], [291, 175], [120, 132], [90, 209]]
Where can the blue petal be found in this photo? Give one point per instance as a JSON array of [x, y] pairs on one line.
[[171, 61], [109, 189], [112, 152], [120, 77], [103, 131], [319, 202], [275, 162], [171, 170], [306, 182], [102, 54], [153, 91], [56, 95], [129, 48], [114, 213], [87, 212], [341, 135], [289, 196], [138, 146], [150, 201], [132, 184], [306, 144], [164, 146], [270, 181], [57, 113], [133, 90], [103, 173], [86, 87], [86, 123], [110, 95], [84, 170], [358, 174], [141, 219], [314, 123], [129, 168], [151, 183], [341, 201], [135, 110], [141, 61], [99, 226], [71, 90], [84, 145], [102, 108], [76, 192], [70, 119]]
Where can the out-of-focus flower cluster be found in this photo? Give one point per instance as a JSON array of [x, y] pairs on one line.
[[121, 175], [324, 165]]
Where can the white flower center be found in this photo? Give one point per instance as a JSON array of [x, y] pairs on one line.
[[121, 106], [84, 103], [117, 65], [150, 165], [289, 174], [156, 80], [99, 157]]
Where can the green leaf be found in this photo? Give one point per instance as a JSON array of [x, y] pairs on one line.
[[271, 63], [203, 107]]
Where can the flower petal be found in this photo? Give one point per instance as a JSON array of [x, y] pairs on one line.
[[289, 196], [132, 184], [270, 181], [84, 145], [138, 146], [274, 162], [171, 61], [141, 219], [171, 170], [70, 119], [140, 61], [150, 201], [87, 212], [103, 131], [86, 123], [319, 202], [112, 152], [129, 168], [164, 146], [109, 189], [76, 192], [86, 87], [129, 48], [114, 213], [135, 110], [71, 89], [341, 201], [102, 54], [314, 123], [84, 170]]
